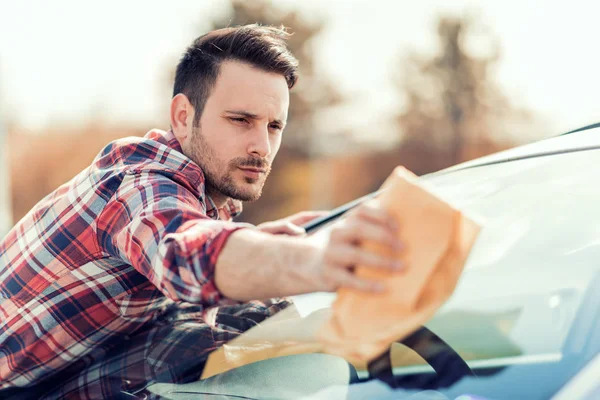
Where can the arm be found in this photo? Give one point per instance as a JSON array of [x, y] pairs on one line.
[[157, 226], [257, 265]]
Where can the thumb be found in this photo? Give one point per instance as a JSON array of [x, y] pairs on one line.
[[293, 229], [281, 228]]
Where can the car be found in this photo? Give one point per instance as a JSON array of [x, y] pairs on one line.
[[524, 320]]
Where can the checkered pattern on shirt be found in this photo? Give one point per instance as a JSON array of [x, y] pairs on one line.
[[105, 254], [172, 349]]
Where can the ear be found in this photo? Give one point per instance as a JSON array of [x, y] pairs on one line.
[[182, 116]]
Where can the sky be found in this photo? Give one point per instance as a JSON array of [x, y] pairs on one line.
[[63, 61]]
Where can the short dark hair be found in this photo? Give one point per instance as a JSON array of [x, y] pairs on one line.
[[263, 47]]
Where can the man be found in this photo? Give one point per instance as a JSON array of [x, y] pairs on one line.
[[133, 271]]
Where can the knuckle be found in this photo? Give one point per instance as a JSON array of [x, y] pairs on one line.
[[346, 257], [350, 252], [355, 229], [364, 233], [376, 233], [376, 261], [368, 259]]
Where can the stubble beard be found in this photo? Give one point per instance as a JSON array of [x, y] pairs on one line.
[[218, 174]]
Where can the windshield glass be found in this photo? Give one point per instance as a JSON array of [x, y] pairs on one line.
[[522, 309]]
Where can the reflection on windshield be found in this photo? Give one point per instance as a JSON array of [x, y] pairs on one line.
[[478, 335]]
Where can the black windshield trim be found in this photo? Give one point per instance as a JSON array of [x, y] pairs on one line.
[[585, 128], [528, 156]]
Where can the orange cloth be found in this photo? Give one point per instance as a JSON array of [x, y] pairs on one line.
[[360, 326], [284, 334], [437, 240]]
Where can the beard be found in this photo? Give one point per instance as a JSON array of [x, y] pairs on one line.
[[218, 174]]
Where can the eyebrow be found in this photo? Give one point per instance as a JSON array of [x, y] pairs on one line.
[[249, 115]]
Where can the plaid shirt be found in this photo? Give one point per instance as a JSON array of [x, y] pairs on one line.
[[107, 253]]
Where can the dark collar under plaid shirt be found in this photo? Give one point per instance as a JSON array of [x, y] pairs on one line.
[[106, 254]]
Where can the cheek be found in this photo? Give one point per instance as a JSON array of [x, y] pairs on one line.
[[218, 131], [275, 144], [230, 140], [223, 139]]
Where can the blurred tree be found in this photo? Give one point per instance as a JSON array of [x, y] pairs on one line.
[[453, 109], [41, 163]]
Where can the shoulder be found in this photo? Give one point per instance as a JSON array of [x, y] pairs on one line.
[[135, 151], [154, 154]]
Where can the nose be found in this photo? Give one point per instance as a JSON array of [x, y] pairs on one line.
[[259, 144]]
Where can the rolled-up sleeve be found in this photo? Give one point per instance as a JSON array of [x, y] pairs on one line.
[[161, 229]]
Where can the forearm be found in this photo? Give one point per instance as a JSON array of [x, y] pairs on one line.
[[255, 265]]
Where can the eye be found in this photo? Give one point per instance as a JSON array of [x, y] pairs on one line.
[[239, 120], [275, 127]]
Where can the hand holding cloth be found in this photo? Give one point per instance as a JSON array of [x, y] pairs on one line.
[[360, 326], [438, 239]]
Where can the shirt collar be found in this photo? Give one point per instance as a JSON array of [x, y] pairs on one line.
[[231, 209]]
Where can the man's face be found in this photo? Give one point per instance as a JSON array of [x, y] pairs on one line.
[[240, 130]]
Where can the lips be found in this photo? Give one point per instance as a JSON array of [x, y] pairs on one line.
[[251, 172], [252, 169]]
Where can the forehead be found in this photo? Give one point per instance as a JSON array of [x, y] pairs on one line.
[[241, 86]]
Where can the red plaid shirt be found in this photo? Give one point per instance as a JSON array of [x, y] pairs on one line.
[[105, 254]]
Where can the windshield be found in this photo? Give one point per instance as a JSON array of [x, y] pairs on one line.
[[521, 312]]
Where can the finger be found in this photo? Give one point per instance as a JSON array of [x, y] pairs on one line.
[[344, 256], [344, 279], [292, 229], [306, 216], [360, 231], [371, 212], [281, 228]]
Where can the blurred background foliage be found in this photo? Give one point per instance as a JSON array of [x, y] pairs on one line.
[[452, 111]]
